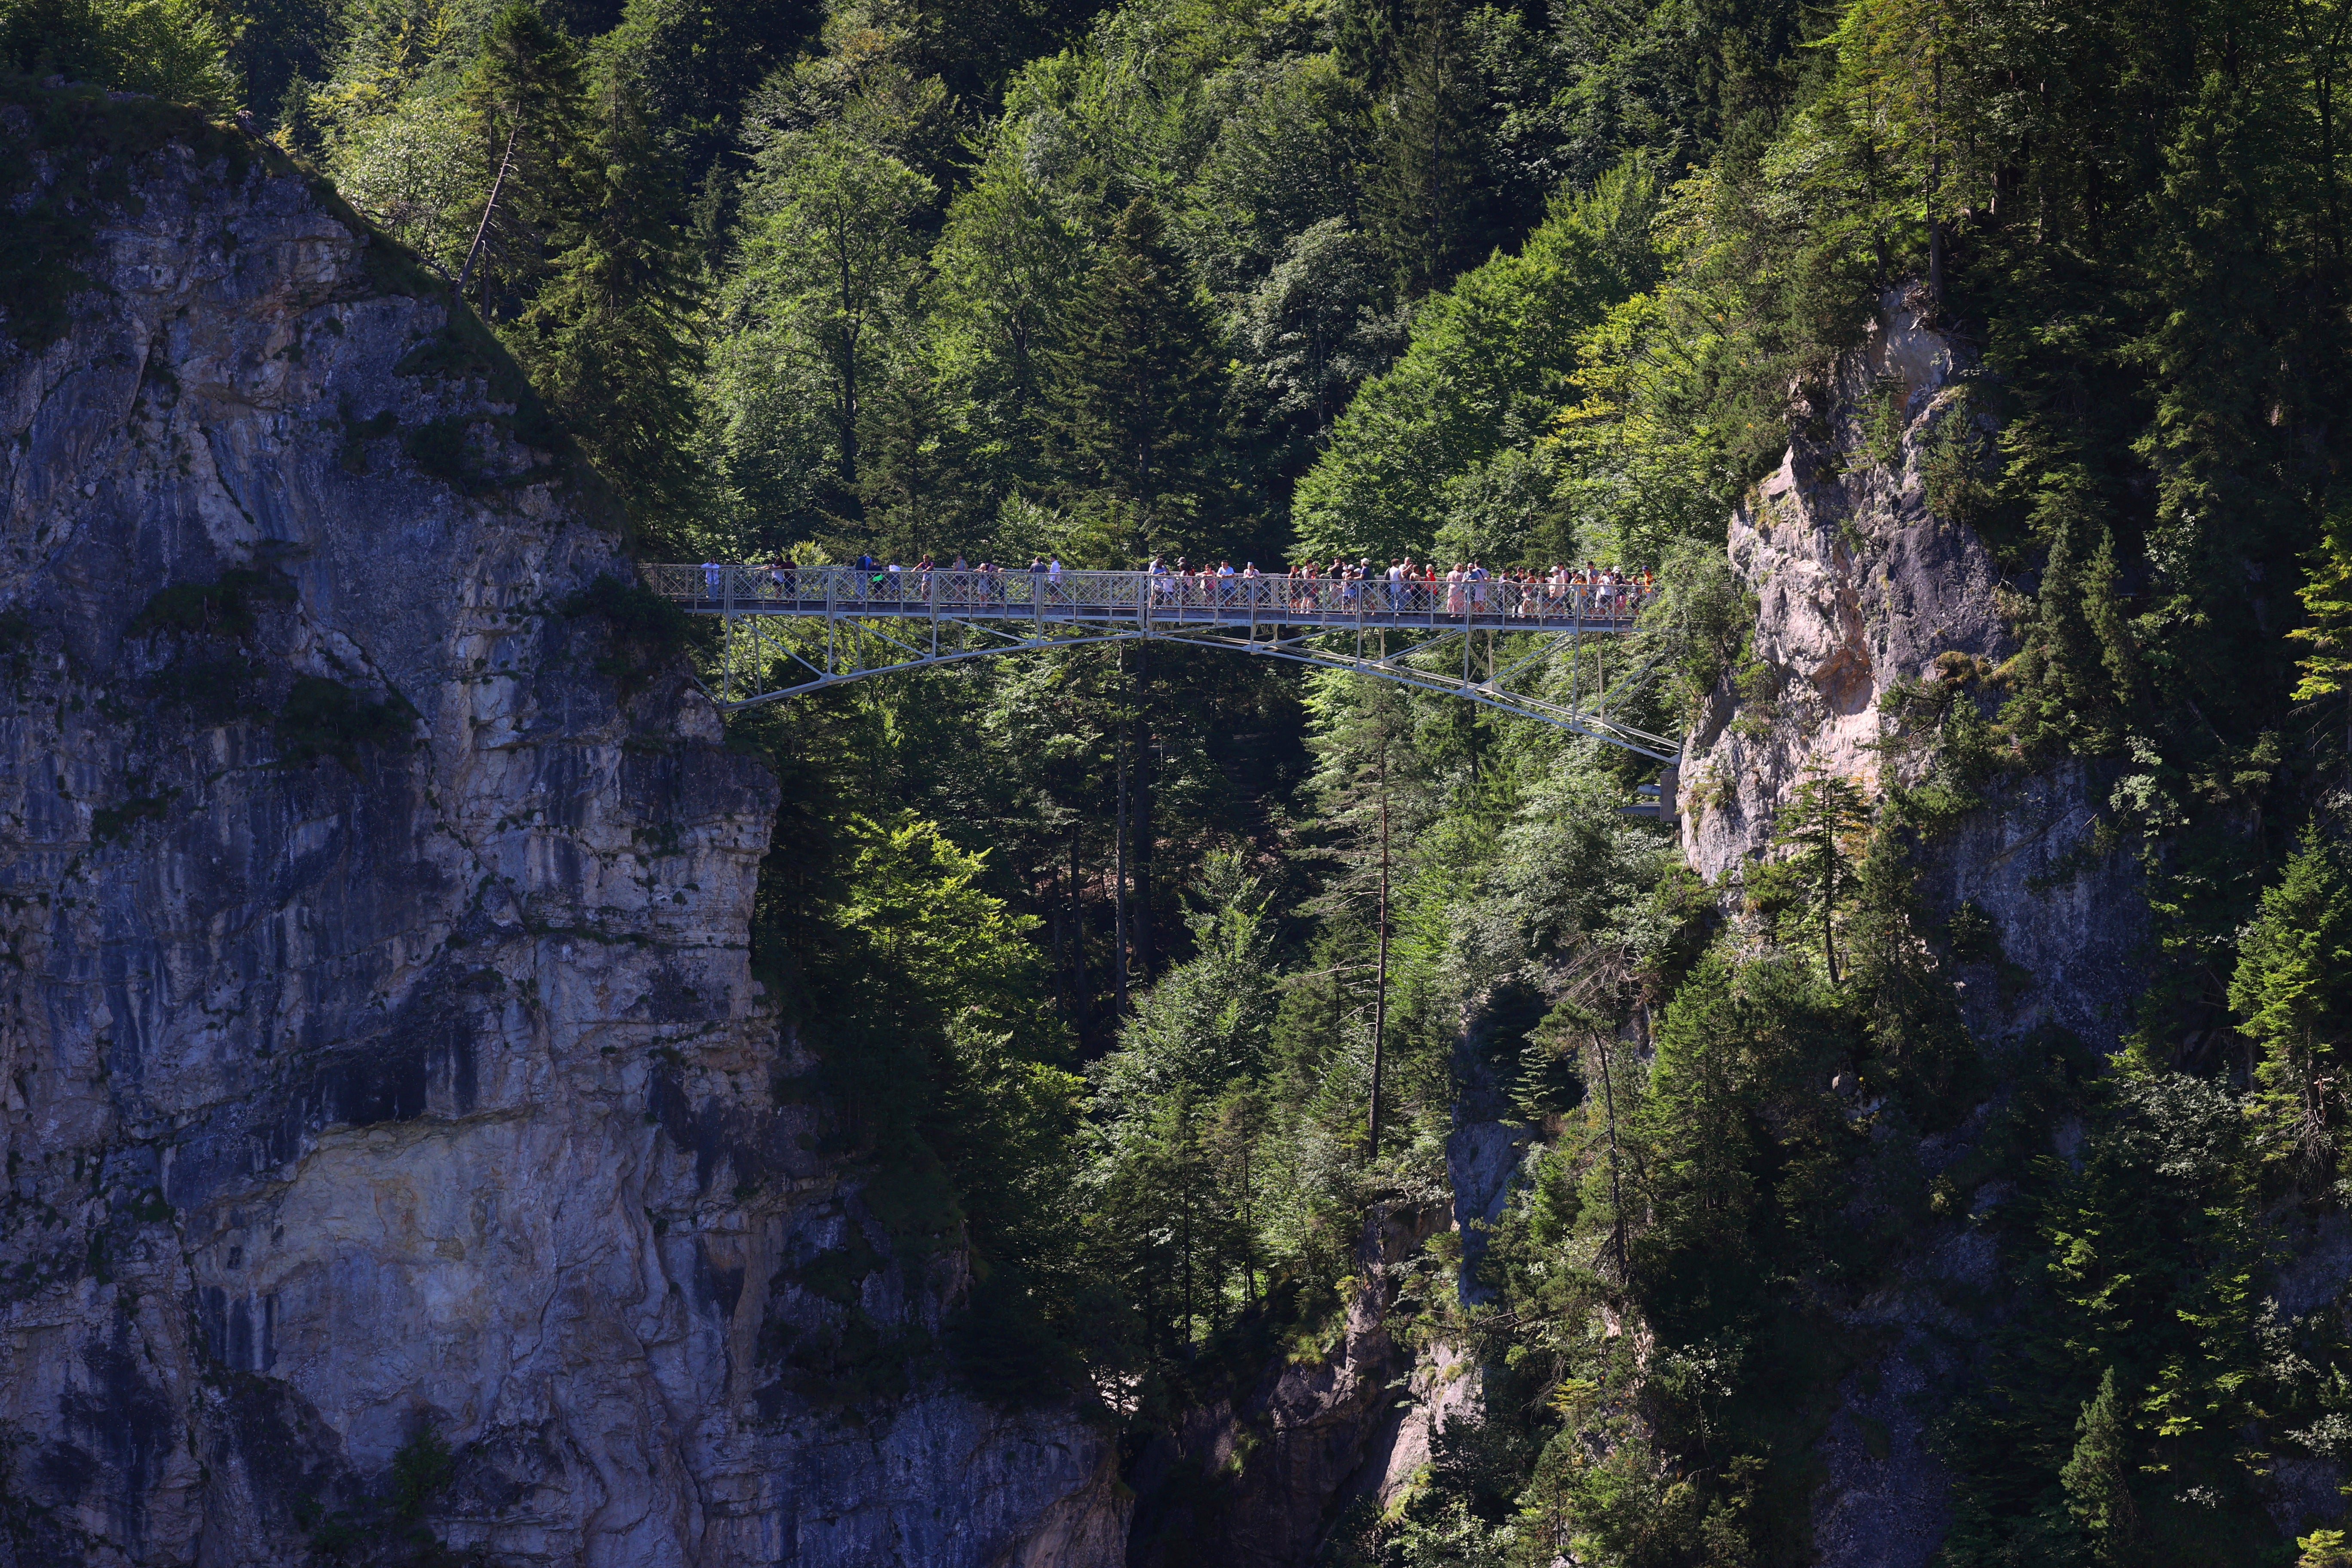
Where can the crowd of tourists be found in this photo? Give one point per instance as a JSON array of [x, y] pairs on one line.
[[1466, 588]]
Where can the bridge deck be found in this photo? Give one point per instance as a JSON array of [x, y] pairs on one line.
[[1133, 598]]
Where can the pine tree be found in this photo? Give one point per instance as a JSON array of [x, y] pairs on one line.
[[2326, 594], [1424, 196], [609, 340], [2292, 991], [2097, 1476], [526, 109], [2079, 674], [1141, 382], [1819, 824]]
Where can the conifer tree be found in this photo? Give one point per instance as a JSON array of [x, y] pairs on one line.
[[527, 110], [2326, 594], [1819, 824], [609, 340], [2078, 673], [2293, 989], [1423, 190], [1141, 380], [2097, 1476]]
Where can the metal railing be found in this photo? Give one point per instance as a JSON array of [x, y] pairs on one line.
[[793, 628], [1493, 603]]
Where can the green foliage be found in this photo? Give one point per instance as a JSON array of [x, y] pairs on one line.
[[1490, 363], [323, 718], [73, 163], [173, 49], [1518, 283], [229, 606], [646, 631], [2289, 990], [608, 339], [1817, 829], [2077, 676], [2097, 1476], [524, 103], [1173, 1121], [2326, 595], [421, 1468], [112, 822], [1137, 385]]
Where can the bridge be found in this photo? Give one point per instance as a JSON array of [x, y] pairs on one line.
[[789, 628]]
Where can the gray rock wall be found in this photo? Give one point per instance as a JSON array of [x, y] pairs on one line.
[[1860, 586], [379, 1052]]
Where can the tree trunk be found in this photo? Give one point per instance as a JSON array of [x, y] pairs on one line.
[[1118, 877], [1142, 816], [1380, 980], [1616, 1196]]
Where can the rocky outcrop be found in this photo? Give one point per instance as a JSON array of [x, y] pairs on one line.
[[1861, 587], [1858, 586], [396, 1138], [1259, 1477]]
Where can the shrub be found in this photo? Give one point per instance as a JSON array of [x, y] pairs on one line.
[[225, 606], [171, 50], [323, 718], [645, 628]]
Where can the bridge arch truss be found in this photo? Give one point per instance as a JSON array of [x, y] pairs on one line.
[[788, 630]]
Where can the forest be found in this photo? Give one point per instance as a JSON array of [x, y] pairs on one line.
[[1151, 975]]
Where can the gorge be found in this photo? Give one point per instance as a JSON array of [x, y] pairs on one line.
[[471, 1096]]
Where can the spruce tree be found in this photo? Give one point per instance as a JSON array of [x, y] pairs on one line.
[[1819, 824], [2097, 1475], [2292, 991], [527, 110], [609, 340], [1140, 383]]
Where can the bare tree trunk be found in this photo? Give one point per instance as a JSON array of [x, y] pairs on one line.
[[1119, 880], [1616, 1196], [489, 206], [1380, 981]]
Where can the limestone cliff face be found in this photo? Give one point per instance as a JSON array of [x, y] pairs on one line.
[[379, 1054], [1860, 586], [1258, 1478]]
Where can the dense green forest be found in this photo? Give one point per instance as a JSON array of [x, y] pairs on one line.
[[1099, 953]]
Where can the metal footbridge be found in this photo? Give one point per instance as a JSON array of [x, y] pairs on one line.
[[790, 629]]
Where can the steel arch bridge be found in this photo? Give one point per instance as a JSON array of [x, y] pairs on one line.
[[810, 628]]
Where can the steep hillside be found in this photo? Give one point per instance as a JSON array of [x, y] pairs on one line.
[[398, 1146]]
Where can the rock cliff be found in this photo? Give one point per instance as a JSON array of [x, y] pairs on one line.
[[1259, 1475], [1861, 587], [393, 1142]]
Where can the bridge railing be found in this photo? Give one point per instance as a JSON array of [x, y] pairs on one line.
[[792, 589]]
